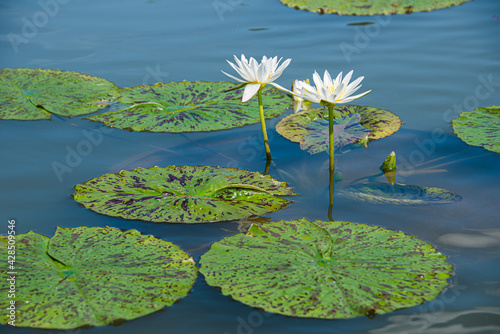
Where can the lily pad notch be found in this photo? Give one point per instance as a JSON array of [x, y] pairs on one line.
[[35, 94], [184, 194], [92, 276], [329, 270]]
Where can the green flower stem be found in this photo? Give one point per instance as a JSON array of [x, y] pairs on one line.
[[263, 124], [331, 191], [331, 142]]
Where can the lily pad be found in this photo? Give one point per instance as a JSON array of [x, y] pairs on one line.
[[191, 106], [347, 130], [34, 94], [370, 7], [480, 127], [325, 269], [183, 194], [297, 127], [93, 276], [398, 194]]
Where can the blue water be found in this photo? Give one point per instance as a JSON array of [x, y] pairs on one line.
[[424, 67]]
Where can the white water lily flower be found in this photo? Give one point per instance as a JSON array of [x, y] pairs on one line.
[[329, 92], [299, 103], [257, 75]]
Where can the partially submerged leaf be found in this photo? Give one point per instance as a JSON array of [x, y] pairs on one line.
[[347, 130], [389, 163], [93, 276], [398, 194], [191, 106], [33, 94], [325, 269], [370, 7], [183, 194], [480, 127], [314, 123]]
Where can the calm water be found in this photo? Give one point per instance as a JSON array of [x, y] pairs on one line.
[[419, 66]]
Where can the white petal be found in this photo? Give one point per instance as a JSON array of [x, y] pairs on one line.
[[284, 65], [327, 79], [355, 83], [302, 85], [349, 99], [262, 72], [232, 77], [338, 79], [281, 88], [317, 81], [347, 78], [239, 71], [250, 91]]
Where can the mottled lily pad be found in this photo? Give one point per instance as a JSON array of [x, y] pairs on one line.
[[183, 194], [34, 94], [92, 277], [347, 130], [191, 106], [325, 269], [370, 7], [314, 138], [398, 194], [480, 127]]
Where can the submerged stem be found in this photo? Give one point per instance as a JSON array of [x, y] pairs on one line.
[[331, 191], [263, 125], [331, 135]]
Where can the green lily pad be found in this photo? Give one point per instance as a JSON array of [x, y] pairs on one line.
[[191, 106], [185, 194], [370, 7], [398, 194], [325, 269], [297, 127], [34, 94], [346, 129], [480, 127], [92, 277]]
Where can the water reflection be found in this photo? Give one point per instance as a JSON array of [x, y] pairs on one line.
[[481, 239], [478, 320]]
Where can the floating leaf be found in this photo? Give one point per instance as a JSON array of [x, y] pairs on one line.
[[480, 127], [191, 106], [93, 276], [297, 127], [34, 94], [346, 129], [370, 7], [185, 194], [398, 194], [325, 269]]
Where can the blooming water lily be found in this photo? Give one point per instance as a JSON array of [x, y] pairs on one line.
[[328, 93], [255, 77]]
